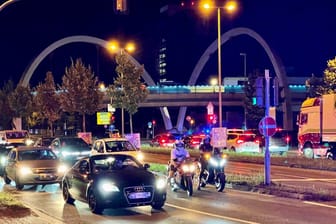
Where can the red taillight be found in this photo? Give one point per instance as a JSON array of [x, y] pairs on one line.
[[163, 140], [287, 139], [257, 141]]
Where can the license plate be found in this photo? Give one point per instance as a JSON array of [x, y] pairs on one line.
[[139, 195], [45, 177]]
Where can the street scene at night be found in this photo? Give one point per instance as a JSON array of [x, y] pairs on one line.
[[167, 111]]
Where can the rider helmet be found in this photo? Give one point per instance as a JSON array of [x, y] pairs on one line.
[[179, 145]]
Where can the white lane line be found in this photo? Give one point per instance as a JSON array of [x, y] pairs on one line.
[[210, 214], [303, 180], [319, 204]]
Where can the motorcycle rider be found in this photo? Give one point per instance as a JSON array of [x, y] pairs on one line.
[[205, 147], [177, 155]]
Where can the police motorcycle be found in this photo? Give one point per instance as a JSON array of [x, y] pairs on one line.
[[214, 173]]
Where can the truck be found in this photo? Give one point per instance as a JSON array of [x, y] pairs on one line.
[[317, 127]]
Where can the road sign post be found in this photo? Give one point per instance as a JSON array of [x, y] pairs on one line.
[[267, 121]]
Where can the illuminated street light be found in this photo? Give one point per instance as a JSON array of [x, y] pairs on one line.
[[230, 6], [114, 47]]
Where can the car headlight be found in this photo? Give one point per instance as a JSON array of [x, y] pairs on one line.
[[161, 183], [107, 186], [62, 168], [140, 156], [29, 142], [3, 160], [25, 171]]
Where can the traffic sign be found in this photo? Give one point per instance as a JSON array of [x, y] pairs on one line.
[[267, 126]]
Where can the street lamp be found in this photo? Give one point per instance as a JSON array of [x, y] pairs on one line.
[[245, 82], [114, 47], [230, 7]]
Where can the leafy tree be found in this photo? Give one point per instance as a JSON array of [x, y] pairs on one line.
[[79, 91], [329, 78], [313, 85], [21, 102], [128, 90], [47, 102], [6, 111], [253, 113]]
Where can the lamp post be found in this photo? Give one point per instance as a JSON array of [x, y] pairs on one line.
[[245, 81], [230, 6], [130, 47]]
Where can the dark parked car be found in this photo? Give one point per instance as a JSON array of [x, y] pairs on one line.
[[113, 181], [27, 165], [70, 149]]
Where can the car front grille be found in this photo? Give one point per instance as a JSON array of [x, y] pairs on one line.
[[139, 194], [44, 170]]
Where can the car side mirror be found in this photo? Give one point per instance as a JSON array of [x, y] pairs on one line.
[[146, 166], [83, 170]]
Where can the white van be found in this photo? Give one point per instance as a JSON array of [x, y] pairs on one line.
[[13, 136]]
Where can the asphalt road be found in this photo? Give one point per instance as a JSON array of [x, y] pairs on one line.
[[206, 206]]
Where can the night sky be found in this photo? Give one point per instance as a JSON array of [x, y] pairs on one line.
[[301, 32]]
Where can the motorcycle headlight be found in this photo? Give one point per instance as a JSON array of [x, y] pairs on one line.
[[62, 168], [213, 162], [161, 183], [107, 186], [25, 171], [222, 162]]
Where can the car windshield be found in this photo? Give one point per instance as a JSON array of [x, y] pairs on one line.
[[75, 143], [37, 154], [119, 146], [114, 162]]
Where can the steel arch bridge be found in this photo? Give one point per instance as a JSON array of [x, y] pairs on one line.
[[276, 62]]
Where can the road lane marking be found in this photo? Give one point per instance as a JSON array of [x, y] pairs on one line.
[[211, 214], [305, 179], [319, 204]]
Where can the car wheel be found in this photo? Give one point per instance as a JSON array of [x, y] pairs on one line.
[[6, 179], [158, 205], [94, 205], [18, 185], [308, 152], [66, 194], [233, 149]]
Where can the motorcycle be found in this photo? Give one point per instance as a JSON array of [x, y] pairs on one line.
[[183, 177], [214, 173]]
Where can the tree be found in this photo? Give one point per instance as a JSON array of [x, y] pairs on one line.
[[254, 113], [21, 102], [313, 86], [128, 90], [79, 91], [329, 78], [6, 111], [46, 101]]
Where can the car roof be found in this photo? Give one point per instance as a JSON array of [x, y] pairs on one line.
[[27, 148], [112, 139]]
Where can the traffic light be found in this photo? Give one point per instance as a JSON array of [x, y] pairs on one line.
[[153, 122], [211, 118], [112, 119], [259, 84]]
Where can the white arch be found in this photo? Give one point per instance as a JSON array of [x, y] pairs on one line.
[[276, 62], [26, 76]]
